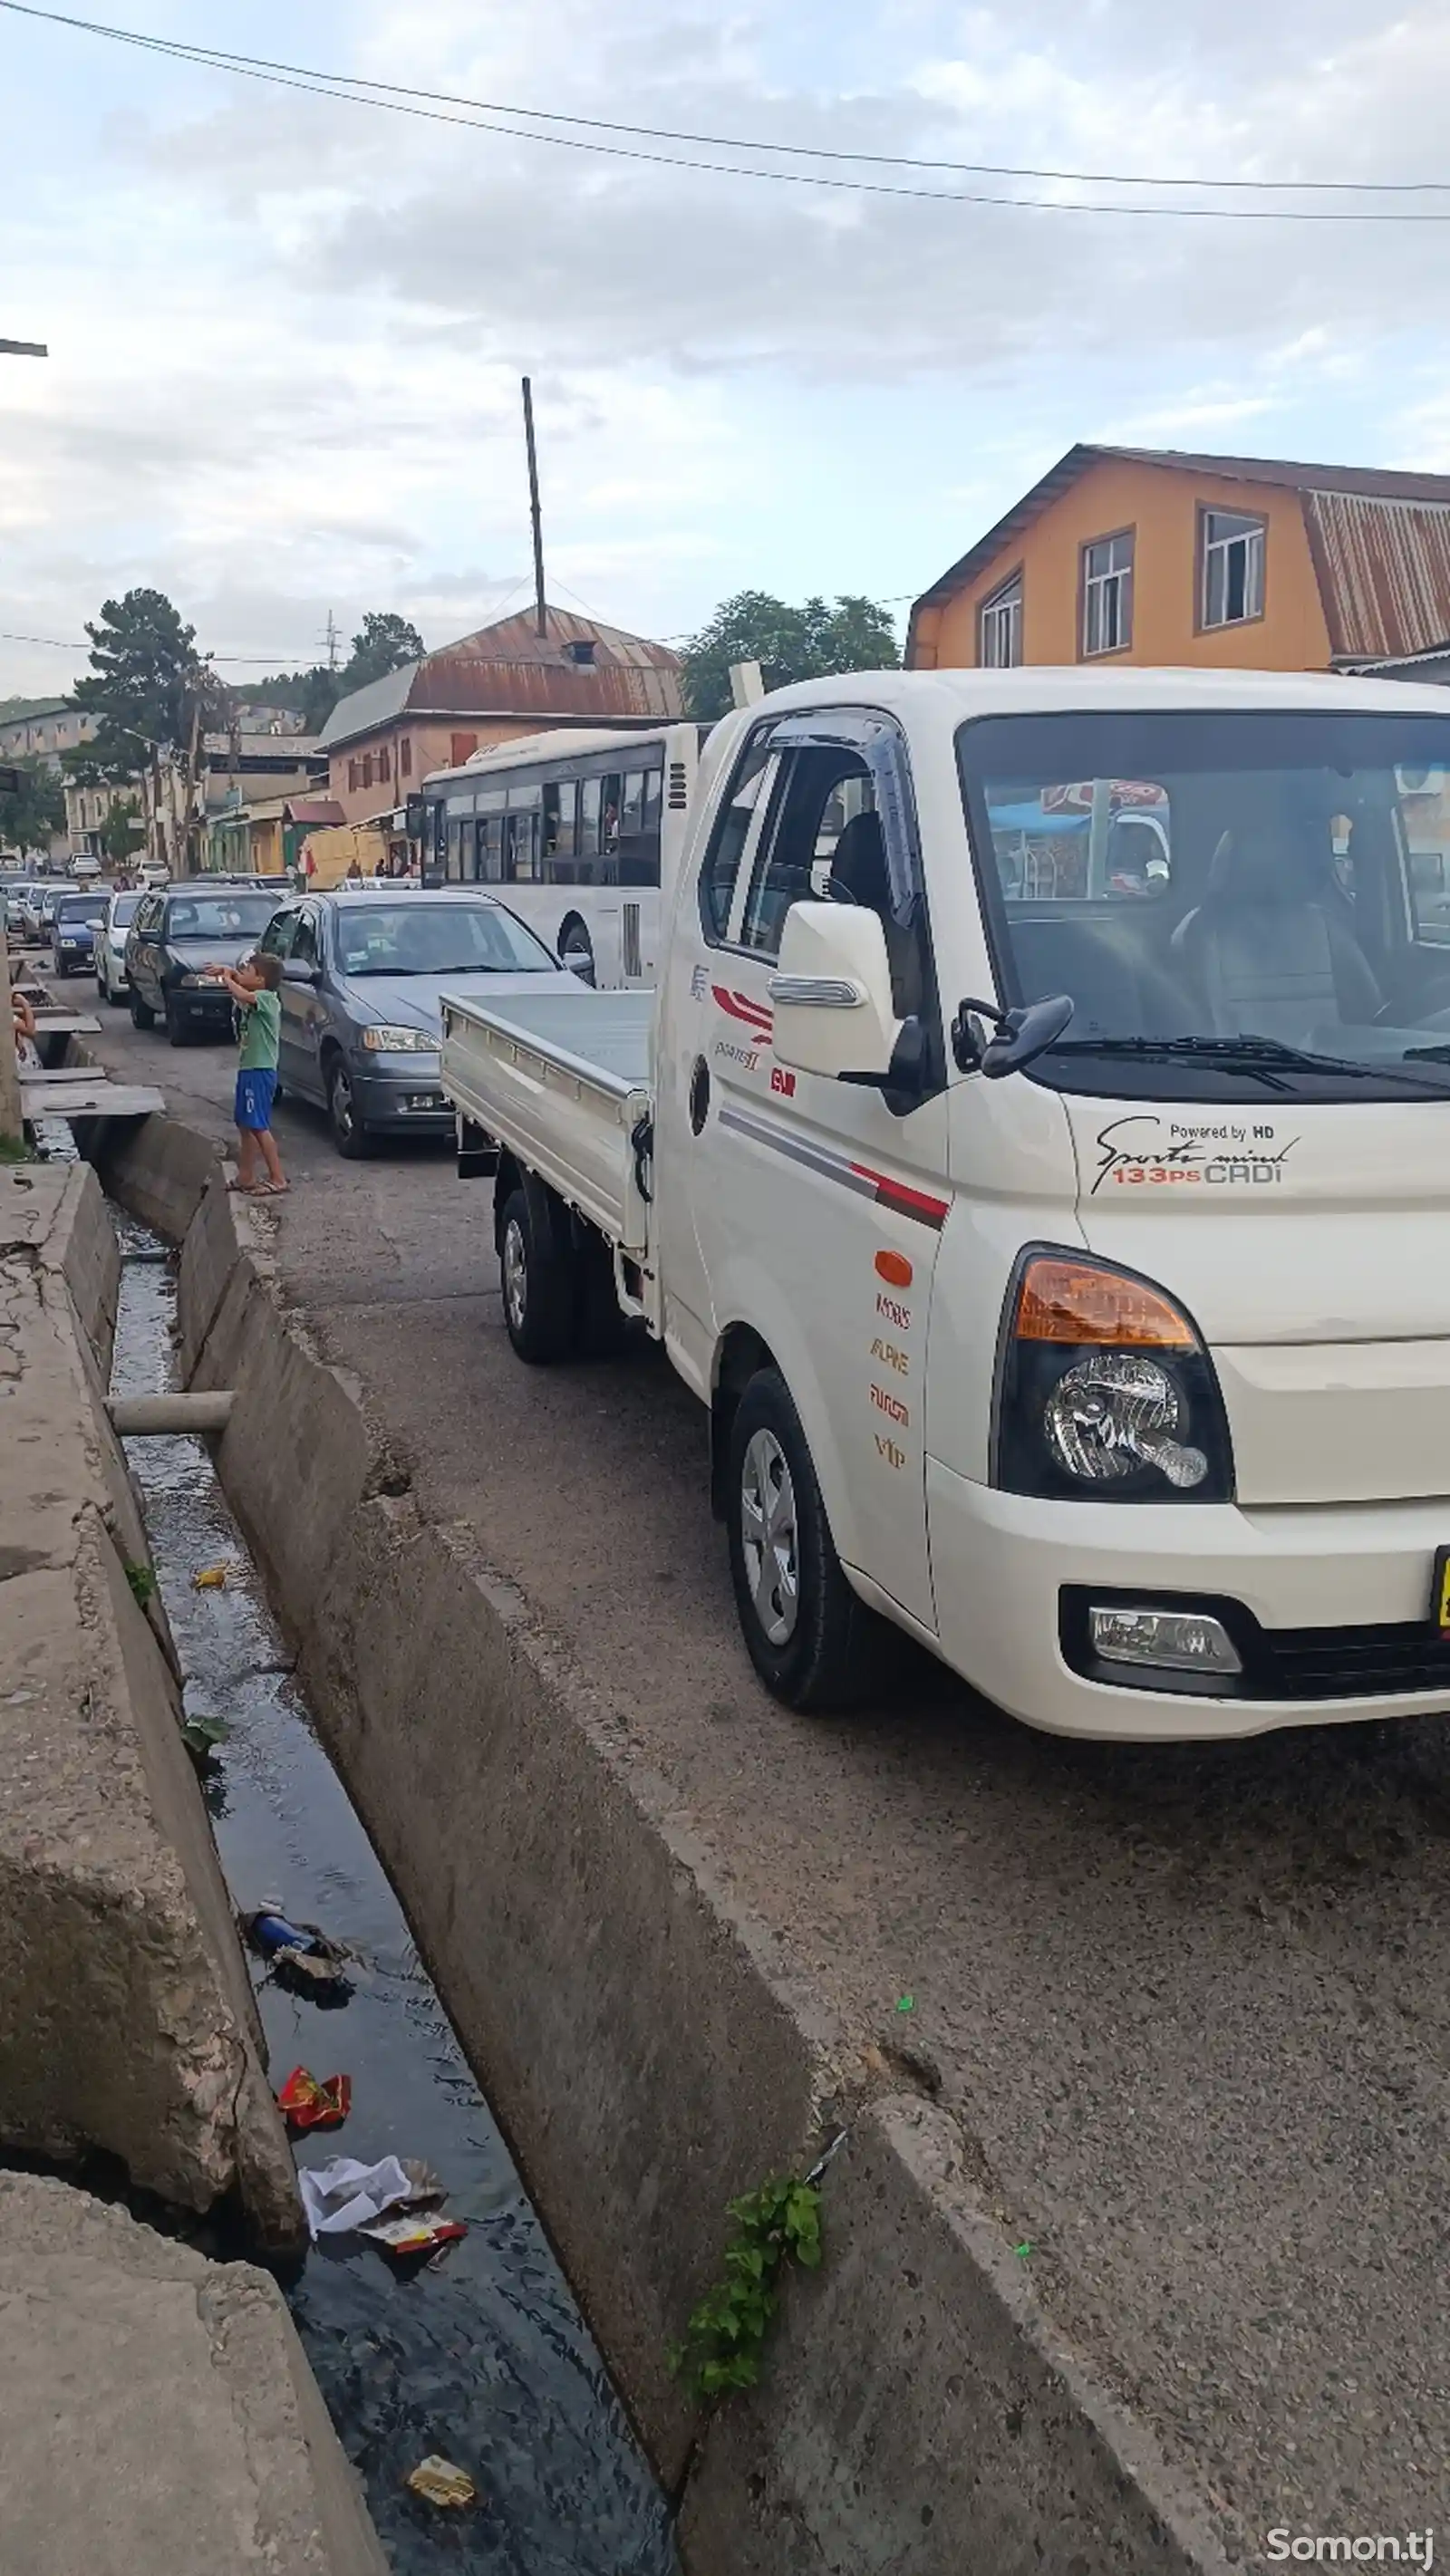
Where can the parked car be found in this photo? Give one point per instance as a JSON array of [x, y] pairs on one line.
[[16, 893], [179, 931], [363, 977], [76, 920], [111, 982]]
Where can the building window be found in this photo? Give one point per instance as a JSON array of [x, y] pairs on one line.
[[1233, 568], [384, 766], [352, 776], [1001, 635], [1107, 594], [405, 757], [367, 776], [464, 746]]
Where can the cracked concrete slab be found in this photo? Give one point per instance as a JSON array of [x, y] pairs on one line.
[[158, 2410], [129, 2023]]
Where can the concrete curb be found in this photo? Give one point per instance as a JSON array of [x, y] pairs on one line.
[[646, 2052], [129, 2023]]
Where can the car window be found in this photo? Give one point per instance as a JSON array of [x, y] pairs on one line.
[[820, 791], [218, 916], [304, 939], [413, 938], [124, 908], [277, 938], [736, 833]]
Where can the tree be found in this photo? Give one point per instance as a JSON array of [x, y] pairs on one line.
[[806, 643], [33, 813], [383, 643], [310, 694], [122, 832], [154, 697]]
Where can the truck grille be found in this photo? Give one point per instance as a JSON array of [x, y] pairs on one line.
[[1350, 1663]]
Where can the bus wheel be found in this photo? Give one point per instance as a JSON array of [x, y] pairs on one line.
[[576, 949]]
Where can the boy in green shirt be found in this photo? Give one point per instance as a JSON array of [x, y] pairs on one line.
[[255, 995]]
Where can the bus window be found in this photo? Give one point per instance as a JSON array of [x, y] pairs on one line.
[[521, 847], [639, 832], [561, 811], [591, 797], [460, 832]]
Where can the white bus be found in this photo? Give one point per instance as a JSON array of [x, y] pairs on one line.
[[579, 828]]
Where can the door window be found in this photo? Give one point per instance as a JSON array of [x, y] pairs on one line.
[[823, 795], [304, 939], [736, 833], [276, 939]]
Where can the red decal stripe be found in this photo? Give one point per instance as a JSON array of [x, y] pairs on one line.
[[740, 1008], [905, 1200]]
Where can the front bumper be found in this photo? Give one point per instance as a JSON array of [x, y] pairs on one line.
[[395, 1098], [1002, 1564]]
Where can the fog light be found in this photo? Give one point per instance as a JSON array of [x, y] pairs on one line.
[[1177, 1641]]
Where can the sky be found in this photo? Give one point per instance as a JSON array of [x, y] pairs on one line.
[[287, 332]]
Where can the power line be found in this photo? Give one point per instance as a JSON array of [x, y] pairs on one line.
[[397, 101]]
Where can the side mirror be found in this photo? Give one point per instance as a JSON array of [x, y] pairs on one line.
[[1021, 1036], [831, 993]]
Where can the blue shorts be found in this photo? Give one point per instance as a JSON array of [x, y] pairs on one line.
[[253, 1107]]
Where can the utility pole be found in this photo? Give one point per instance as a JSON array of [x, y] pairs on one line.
[[331, 640], [541, 612], [11, 1127]]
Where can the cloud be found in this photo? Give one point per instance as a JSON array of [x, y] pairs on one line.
[[288, 331]]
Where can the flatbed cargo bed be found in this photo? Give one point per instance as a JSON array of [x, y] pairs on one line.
[[564, 1081]]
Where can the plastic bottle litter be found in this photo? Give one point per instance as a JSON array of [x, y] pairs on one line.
[[437, 2481], [302, 1956]]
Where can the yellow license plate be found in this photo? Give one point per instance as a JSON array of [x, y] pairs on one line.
[[1440, 1598]]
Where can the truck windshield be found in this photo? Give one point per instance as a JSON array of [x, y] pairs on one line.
[[1234, 900]]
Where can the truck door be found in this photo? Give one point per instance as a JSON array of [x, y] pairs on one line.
[[799, 1207]]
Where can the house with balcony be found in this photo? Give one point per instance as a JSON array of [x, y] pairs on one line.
[[383, 740]]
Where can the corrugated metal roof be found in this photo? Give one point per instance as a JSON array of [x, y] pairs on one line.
[[507, 669], [1384, 570], [1420, 497]]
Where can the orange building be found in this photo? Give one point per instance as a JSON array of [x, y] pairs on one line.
[[1237, 562]]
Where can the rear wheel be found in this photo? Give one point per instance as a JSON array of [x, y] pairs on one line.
[[142, 1015], [538, 1277], [576, 949], [349, 1134], [813, 1643]]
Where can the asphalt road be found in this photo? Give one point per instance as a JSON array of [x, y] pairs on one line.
[[1190, 2007]]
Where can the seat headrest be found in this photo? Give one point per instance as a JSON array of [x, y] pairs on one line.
[[858, 864], [1259, 868]]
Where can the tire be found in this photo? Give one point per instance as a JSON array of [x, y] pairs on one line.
[[351, 1138], [142, 1015], [813, 1643], [576, 949], [539, 1280], [176, 1031]]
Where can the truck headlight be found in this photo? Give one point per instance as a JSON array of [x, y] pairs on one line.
[[1105, 1390], [386, 1041]]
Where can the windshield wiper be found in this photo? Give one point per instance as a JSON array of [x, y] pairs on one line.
[[1255, 1055]]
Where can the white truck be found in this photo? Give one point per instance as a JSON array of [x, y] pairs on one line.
[[1060, 1243]]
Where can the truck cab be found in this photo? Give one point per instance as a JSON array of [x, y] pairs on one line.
[[1049, 1188]]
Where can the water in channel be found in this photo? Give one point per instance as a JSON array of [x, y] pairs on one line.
[[487, 2359]]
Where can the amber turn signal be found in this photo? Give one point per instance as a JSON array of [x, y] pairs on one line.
[[1076, 1301], [895, 1269]]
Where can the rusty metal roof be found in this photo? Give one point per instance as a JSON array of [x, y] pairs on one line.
[[507, 669], [1381, 540], [1384, 571]]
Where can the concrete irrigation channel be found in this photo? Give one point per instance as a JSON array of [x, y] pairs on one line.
[[1134, 2250]]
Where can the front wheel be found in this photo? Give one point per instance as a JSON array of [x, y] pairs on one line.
[[142, 1015], [175, 1025], [813, 1643], [349, 1134], [537, 1275]]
